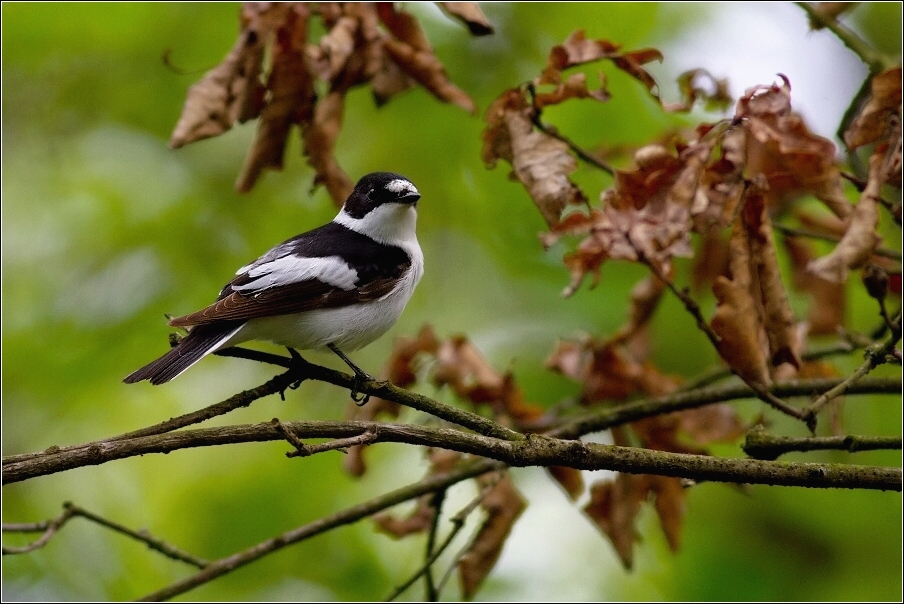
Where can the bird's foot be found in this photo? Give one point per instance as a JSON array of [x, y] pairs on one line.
[[361, 376], [298, 365]]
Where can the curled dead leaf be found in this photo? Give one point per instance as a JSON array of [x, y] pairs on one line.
[[860, 239], [613, 507], [876, 117], [291, 98], [418, 521], [470, 14], [570, 479], [503, 504], [319, 139], [782, 150], [541, 163], [778, 318], [692, 85], [231, 92], [736, 321], [607, 370], [463, 368], [575, 87]]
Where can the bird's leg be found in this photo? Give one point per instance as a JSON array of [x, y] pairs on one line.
[[360, 376], [298, 364]]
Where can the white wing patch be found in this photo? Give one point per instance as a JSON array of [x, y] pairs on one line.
[[332, 270]]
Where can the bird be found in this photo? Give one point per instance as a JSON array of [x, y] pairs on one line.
[[337, 287]]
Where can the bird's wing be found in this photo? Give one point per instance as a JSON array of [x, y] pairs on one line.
[[307, 272], [285, 300]]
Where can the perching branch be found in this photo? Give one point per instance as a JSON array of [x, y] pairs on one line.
[[535, 450], [17, 468], [759, 444]]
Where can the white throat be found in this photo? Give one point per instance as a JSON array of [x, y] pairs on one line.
[[390, 224]]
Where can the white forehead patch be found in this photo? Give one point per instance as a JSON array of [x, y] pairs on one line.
[[400, 185]]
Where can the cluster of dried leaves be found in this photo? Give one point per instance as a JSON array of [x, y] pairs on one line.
[[732, 176], [307, 82], [725, 183]]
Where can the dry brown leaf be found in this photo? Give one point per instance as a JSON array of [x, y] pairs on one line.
[[319, 141], [291, 98], [504, 504], [570, 479], [645, 297], [737, 318], [613, 507], [411, 51], [718, 423], [389, 81], [575, 87], [711, 258], [460, 366], [470, 14], [861, 238], [429, 72], [231, 92], [418, 521], [541, 163], [781, 148], [828, 299], [631, 63], [670, 506], [877, 115], [403, 26], [778, 318], [692, 88], [577, 50], [607, 370]]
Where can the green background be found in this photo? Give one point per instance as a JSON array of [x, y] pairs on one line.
[[105, 229]]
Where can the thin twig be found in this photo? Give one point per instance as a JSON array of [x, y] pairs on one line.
[[51, 527], [436, 502], [300, 448], [350, 515], [874, 356], [799, 232], [761, 391], [458, 523], [760, 444], [70, 510], [875, 60], [370, 435]]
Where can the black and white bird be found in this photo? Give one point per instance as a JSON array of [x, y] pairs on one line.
[[340, 286]]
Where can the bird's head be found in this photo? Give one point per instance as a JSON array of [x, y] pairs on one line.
[[383, 205]]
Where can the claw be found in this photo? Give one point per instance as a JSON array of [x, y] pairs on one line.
[[361, 376]]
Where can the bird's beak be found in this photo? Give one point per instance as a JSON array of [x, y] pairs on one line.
[[410, 198]]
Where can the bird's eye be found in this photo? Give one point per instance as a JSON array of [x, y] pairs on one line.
[[370, 194]]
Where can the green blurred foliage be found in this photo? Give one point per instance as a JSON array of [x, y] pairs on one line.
[[105, 229]]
